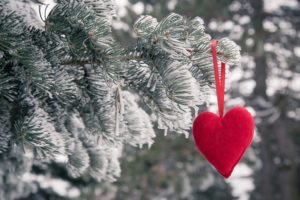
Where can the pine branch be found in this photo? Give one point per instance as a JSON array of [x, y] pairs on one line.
[[7, 85], [5, 127], [99, 111], [13, 166], [35, 132], [102, 8], [181, 87], [11, 27], [202, 69], [86, 34], [71, 90], [138, 130], [198, 39], [103, 161], [169, 114], [78, 160]]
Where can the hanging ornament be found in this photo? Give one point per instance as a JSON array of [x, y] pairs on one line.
[[223, 140]]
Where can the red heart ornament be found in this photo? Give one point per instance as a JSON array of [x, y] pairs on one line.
[[224, 140]]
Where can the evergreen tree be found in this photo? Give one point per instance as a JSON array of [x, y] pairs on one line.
[[71, 96]]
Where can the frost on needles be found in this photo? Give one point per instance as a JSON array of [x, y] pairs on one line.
[[72, 96]]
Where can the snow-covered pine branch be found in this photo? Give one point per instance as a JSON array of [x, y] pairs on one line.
[[72, 91]]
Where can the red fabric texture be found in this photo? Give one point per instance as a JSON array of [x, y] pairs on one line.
[[223, 140]]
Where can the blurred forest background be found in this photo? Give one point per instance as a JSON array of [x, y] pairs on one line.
[[267, 83]]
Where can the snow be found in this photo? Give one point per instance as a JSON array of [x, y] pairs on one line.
[[269, 26], [25, 9], [49, 4], [245, 19], [61, 158], [249, 42], [297, 51], [121, 7], [246, 87], [171, 4], [227, 25], [235, 6], [274, 6], [294, 114], [138, 8], [59, 186], [119, 25], [294, 84], [237, 32], [213, 25], [238, 101], [241, 181]]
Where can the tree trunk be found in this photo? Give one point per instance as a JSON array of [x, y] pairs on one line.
[[260, 76]]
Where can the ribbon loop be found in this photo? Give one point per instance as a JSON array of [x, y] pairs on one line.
[[219, 80]]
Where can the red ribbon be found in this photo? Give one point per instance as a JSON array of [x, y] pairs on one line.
[[220, 81]]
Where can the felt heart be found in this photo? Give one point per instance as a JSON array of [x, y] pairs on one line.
[[223, 141]]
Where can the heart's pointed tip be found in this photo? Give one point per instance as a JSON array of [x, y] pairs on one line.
[[227, 175]]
